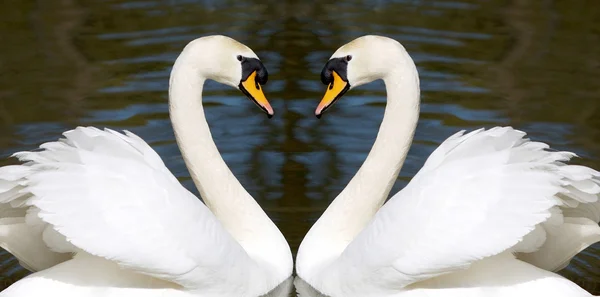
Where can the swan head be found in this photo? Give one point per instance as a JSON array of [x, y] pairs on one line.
[[227, 61], [361, 61]]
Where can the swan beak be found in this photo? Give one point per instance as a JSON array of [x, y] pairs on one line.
[[335, 91], [252, 89]]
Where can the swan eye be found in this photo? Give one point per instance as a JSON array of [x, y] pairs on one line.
[[348, 58], [240, 58]]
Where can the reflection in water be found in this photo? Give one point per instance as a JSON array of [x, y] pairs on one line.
[[283, 290], [482, 63], [294, 285], [305, 290]]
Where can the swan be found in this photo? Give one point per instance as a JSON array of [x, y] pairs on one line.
[[97, 213], [490, 213]]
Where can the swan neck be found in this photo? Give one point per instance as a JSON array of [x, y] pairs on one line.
[[370, 187], [222, 193], [191, 129], [356, 205]]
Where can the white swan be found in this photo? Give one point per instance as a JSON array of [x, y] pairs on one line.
[[134, 230], [480, 199]]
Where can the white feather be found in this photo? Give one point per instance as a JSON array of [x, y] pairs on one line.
[[108, 199], [489, 214], [482, 194], [115, 203]]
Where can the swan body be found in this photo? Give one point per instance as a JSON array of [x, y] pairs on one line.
[[491, 213], [97, 213], [507, 278]]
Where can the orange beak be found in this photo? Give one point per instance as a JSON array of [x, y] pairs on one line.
[[253, 90], [335, 90]]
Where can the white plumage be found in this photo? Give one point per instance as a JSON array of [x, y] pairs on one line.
[[111, 196], [491, 213], [99, 214], [478, 195]]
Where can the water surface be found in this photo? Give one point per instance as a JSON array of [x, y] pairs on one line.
[[534, 66]]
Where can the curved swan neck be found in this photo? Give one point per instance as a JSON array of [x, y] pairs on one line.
[[239, 213], [354, 207], [370, 186], [192, 132]]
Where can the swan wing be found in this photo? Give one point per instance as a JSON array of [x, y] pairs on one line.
[[110, 195], [478, 195]]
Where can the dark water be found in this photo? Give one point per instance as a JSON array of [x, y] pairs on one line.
[[530, 64]]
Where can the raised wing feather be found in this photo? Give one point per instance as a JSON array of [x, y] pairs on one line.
[[110, 195], [478, 195]]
